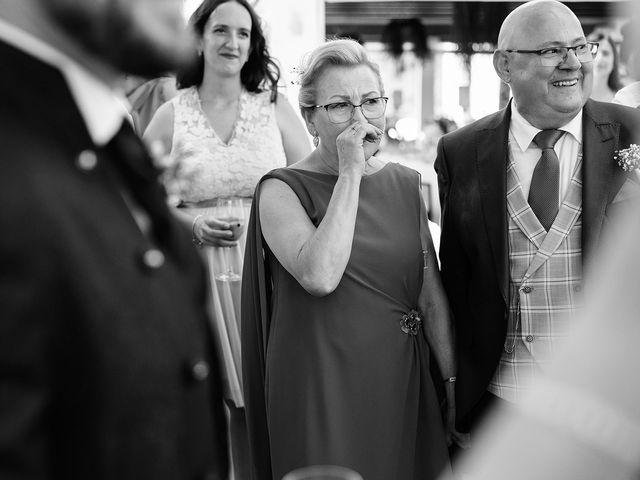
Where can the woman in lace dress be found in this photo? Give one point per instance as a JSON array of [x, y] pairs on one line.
[[225, 129]]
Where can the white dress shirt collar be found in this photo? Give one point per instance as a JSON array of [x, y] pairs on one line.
[[102, 108], [523, 132]]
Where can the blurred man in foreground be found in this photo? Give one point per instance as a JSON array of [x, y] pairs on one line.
[[106, 371]]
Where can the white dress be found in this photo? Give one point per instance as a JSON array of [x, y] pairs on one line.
[[208, 168]]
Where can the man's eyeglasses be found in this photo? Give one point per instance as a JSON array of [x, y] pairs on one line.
[[340, 112], [554, 56]]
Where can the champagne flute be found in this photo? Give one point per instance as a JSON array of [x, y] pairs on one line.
[[231, 211]]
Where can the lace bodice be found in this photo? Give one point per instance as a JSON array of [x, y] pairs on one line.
[[211, 168]]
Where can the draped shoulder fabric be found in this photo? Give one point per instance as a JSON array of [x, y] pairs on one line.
[[256, 296], [335, 379]]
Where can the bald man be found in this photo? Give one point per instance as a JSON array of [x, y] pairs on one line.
[[526, 194]]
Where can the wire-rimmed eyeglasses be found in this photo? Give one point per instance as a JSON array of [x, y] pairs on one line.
[[340, 112], [554, 56]]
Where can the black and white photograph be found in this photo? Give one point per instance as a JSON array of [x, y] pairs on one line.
[[319, 240]]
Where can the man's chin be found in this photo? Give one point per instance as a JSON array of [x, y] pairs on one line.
[[148, 59], [146, 53], [571, 106], [148, 47], [128, 44]]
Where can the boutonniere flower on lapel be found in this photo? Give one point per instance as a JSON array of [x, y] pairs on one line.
[[628, 158], [172, 173]]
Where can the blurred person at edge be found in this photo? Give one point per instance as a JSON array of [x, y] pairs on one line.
[[514, 283], [630, 55], [226, 129], [606, 69], [106, 367], [581, 419]]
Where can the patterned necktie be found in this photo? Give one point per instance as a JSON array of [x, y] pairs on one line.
[[543, 194]]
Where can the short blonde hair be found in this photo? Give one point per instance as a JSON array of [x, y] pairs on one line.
[[337, 52]]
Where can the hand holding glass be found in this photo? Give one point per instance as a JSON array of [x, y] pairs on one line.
[[231, 211]]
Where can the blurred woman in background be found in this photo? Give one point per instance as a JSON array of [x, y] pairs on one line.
[[606, 72]]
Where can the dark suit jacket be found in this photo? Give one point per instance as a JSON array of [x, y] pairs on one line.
[[106, 367], [472, 165]]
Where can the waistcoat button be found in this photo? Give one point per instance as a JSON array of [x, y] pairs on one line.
[[153, 258], [87, 160], [199, 370]]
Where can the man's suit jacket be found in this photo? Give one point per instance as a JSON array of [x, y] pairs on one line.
[[106, 363], [471, 166]]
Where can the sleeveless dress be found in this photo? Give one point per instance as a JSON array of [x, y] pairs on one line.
[[208, 168], [334, 379]]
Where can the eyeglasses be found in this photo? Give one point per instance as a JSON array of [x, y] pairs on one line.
[[554, 56], [340, 112]]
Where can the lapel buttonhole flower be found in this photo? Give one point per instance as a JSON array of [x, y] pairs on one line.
[[628, 158]]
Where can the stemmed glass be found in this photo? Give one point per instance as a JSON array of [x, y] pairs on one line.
[[231, 211]]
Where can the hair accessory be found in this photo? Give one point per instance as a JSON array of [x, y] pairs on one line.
[[450, 380], [196, 241], [297, 72]]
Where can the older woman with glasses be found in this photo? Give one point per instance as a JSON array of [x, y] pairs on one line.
[[342, 299]]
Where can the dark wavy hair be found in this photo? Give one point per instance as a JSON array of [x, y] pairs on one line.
[[259, 74], [614, 82]]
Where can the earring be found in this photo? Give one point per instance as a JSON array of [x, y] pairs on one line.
[[316, 139]]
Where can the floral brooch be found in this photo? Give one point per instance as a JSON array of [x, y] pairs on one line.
[[628, 158], [411, 322]]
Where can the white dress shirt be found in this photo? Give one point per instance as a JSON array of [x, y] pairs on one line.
[[525, 154]]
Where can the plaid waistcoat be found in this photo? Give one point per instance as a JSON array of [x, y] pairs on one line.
[[545, 285]]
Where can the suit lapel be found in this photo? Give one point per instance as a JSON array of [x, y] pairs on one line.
[[600, 140], [43, 110], [520, 211], [491, 164]]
